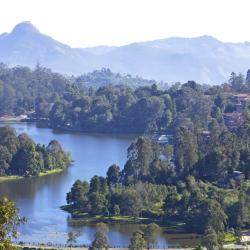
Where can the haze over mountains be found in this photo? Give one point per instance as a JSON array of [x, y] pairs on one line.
[[203, 59]]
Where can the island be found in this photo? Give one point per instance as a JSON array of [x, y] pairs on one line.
[[21, 157]]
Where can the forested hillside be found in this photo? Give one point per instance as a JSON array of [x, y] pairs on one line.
[[69, 103], [198, 179]]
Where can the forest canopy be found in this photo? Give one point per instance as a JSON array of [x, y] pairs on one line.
[[20, 155]]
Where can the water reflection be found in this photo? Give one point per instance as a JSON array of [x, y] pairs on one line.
[[39, 199]]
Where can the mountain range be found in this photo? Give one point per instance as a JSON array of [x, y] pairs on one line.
[[203, 59]]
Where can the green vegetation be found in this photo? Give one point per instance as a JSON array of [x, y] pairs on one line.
[[100, 242], [230, 238], [74, 103], [20, 156], [10, 220], [16, 177], [137, 242], [72, 238], [146, 237], [53, 171], [10, 178], [199, 176]]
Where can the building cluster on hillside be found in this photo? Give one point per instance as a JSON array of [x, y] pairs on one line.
[[234, 119]]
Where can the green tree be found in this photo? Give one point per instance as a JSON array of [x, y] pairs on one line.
[[140, 155], [137, 241], [131, 203], [150, 233], [100, 241], [210, 240], [185, 150], [10, 220], [116, 210], [72, 238], [78, 195], [98, 203], [113, 174]]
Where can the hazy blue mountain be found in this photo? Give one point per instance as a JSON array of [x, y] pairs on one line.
[[25, 45], [204, 59]]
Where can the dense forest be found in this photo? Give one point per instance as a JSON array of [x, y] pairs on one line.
[[20, 155], [201, 181], [71, 103], [199, 176]]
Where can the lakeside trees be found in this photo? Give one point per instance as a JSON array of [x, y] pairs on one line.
[[201, 179], [72, 103], [20, 155], [10, 220], [100, 241], [209, 196]]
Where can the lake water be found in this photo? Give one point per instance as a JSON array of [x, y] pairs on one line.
[[39, 199]]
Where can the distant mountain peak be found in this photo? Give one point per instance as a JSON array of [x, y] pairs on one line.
[[203, 59], [25, 27], [206, 38]]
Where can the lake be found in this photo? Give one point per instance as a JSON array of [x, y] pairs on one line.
[[39, 199]]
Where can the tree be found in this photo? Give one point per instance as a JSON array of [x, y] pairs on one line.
[[236, 81], [131, 203], [10, 220], [137, 241], [210, 240], [113, 174], [98, 184], [150, 232], [116, 210], [185, 150], [100, 241], [72, 238], [78, 195], [98, 203], [140, 155]]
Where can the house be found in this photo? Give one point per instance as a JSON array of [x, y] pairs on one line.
[[233, 120]]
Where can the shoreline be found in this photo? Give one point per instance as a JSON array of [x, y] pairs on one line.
[[44, 246], [8, 178], [88, 218], [67, 130], [13, 118], [79, 247]]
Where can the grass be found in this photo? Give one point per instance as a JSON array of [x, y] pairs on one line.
[[16, 177], [53, 171], [230, 238], [10, 178], [157, 208], [116, 218], [76, 214]]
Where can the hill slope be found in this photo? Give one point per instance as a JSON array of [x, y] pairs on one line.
[[203, 59]]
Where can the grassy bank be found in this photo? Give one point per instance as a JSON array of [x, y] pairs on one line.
[[230, 238], [170, 226], [10, 178], [12, 118], [76, 214], [16, 177], [53, 171]]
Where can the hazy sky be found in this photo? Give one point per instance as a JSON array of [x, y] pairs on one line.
[[82, 23]]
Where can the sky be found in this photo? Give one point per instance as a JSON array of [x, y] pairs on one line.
[[88, 23]]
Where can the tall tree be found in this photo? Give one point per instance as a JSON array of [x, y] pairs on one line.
[[100, 241], [10, 220], [150, 233], [137, 241]]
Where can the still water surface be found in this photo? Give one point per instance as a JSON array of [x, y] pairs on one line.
[[39, 199]]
